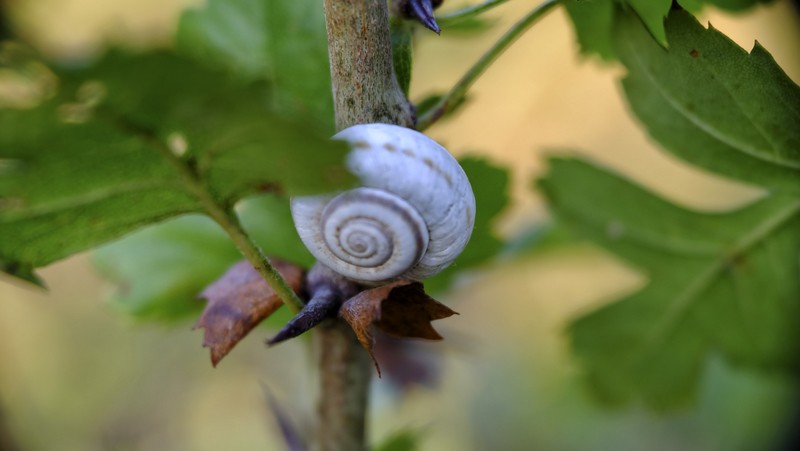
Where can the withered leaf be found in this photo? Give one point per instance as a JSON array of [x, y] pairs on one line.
[[238, 301], [400, 308]]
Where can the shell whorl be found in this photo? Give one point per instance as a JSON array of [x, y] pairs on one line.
[[410, 219]]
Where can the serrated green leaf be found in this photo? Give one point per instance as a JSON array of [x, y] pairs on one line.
[[490, 185], [159, 270], [722, 283], [594, 20], [57, 202], [284, 42], [125, 143], [707, 93]]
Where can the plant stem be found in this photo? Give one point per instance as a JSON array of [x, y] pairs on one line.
[[345, 375], [467, 12], [452, 98], [365, 90], [229, 221]]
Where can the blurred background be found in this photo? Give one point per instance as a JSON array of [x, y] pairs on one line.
[[77, 375]]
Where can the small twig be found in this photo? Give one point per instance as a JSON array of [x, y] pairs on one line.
[[452, 98], [467, 12]]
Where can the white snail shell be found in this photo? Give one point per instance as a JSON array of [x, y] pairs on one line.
[[410, 219]]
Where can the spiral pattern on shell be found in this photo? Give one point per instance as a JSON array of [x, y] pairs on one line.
[[394, 235], [410, 219]]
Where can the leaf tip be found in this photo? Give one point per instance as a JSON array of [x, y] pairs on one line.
[[22, 271], [215, 358]]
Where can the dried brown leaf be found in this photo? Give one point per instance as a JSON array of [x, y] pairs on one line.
[[237, 302], [400, 308]]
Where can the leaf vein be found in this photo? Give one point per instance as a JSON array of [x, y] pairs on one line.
[[88, 198], [684, 300], [698, 121]]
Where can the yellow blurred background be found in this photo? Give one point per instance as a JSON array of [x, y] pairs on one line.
[[77, 375]]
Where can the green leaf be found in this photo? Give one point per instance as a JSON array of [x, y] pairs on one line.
[[594, 20], [653, 13], [707, 93], [490, 185], [404, 440], [719, 283], [724, 283], [284, 42], [467, 27], [228, 33], [269, 222], [730, 5], [112, 152], [66, 187], [159, 270], [298, 55], [427, 104], [402, 34]]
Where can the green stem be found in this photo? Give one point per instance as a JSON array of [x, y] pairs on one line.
[[467, 12], [229, 221], [452, 98]]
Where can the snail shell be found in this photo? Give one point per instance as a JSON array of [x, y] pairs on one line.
[[411, 217]]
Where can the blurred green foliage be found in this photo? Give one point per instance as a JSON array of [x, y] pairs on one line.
[[719, 282], [110, 152]]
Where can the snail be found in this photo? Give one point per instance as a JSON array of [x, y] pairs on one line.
[[411, 217]]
